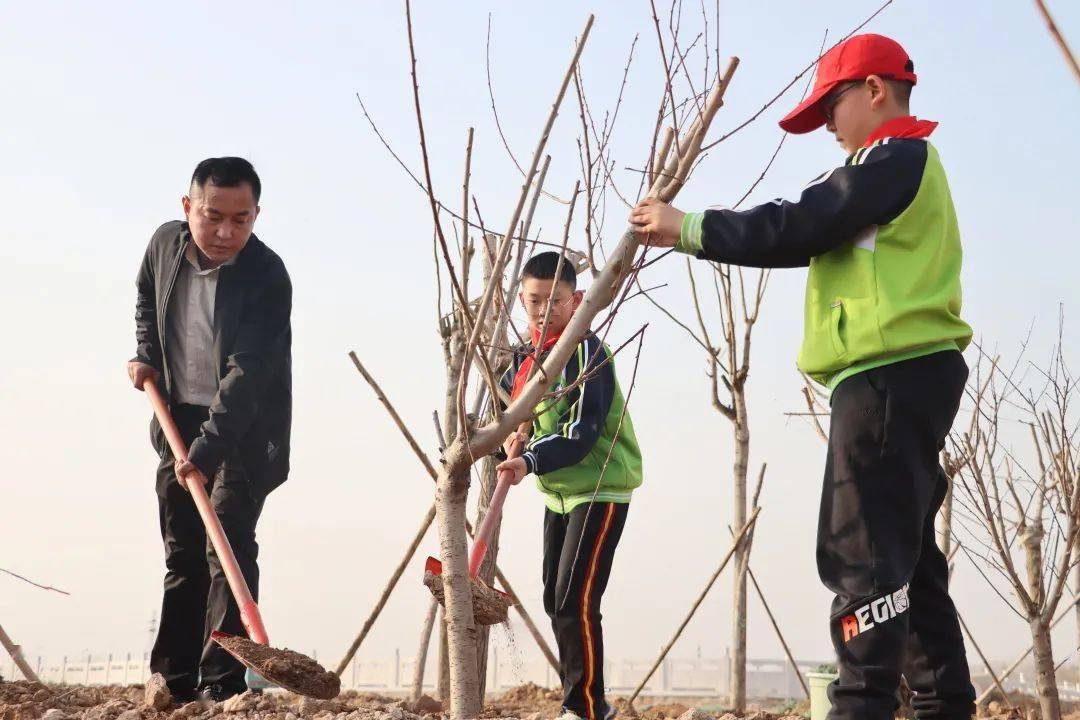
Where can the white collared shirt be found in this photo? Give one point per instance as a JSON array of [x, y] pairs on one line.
[[192, 363]]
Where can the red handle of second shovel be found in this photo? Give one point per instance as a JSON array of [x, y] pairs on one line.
[[487, 527], [249, 611]]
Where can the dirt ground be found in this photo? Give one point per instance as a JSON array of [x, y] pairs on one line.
[[24, 701]]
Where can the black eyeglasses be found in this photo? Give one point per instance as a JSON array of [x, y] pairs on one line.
[[829, 104]]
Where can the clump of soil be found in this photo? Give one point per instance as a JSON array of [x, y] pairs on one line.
[[24, 701], [28, 701], [490, 607], [287, 668], [525, 700], [664, 711]]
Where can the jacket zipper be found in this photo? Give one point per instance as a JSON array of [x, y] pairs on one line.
[[162, 323]]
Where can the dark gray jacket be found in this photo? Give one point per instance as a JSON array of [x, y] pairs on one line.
[[251, 415]]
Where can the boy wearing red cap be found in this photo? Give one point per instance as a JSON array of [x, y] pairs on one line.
[[883, 331]]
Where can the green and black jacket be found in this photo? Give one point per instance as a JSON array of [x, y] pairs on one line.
[[880, 237], [574, 433]]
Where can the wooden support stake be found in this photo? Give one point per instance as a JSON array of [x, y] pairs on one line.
[[421, 654], [986, 663], [16, 654], [775, 625], [697, 603], [398, 571], [1059, 38]]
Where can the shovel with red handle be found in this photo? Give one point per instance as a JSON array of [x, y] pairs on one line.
[[258, 660], [490, 606]]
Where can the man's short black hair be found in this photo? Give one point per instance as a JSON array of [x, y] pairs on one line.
[[543, 265], [227, 172]]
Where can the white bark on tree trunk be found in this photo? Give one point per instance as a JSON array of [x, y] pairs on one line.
[[1076, 608], [742, 558], [453, 487], [443, 685], [1045, 679]]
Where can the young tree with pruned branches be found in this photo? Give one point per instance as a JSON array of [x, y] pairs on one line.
[[1017, 499], [474, 441]]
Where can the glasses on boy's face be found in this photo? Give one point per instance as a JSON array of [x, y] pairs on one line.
[[828, 105], [540, 305]]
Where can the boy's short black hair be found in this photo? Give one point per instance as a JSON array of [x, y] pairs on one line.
[[227, 172], [543, 265], [902, 89]]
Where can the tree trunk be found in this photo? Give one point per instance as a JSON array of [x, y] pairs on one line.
[[488, 476], [1076, 609], [453, 488], [487, 569], [742, 559], [454, 344], [422, 651], [1045, 680]]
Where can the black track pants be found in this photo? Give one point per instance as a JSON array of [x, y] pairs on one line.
[[575, 576], [877, 549]]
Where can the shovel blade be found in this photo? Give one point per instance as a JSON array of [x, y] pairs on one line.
[[490, 606], [284, 668]]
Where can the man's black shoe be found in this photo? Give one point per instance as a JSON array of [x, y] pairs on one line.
[[218, 693], [183, 697]]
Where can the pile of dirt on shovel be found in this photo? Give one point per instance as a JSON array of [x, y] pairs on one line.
[[490, 607], [291, 669]]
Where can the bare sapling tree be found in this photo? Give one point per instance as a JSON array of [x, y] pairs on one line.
[[474, 330], [1018, 497], [474, 442], [727, 357]]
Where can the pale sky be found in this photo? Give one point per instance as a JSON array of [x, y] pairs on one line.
[[107, 109]]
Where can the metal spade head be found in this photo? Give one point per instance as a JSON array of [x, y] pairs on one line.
[[490, 606], [285, 668]]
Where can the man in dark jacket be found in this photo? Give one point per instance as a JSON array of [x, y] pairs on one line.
[[212, 329]]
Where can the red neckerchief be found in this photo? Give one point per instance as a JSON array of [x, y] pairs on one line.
[[902, 127], [525, 371]]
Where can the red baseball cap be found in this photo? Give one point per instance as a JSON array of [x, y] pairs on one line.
[[857, 58]]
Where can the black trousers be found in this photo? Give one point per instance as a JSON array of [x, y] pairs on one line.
[[877, 549], [197, 598], [575, 577]]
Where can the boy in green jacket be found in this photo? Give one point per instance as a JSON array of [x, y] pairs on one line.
[[883, 331], [586, 460]]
